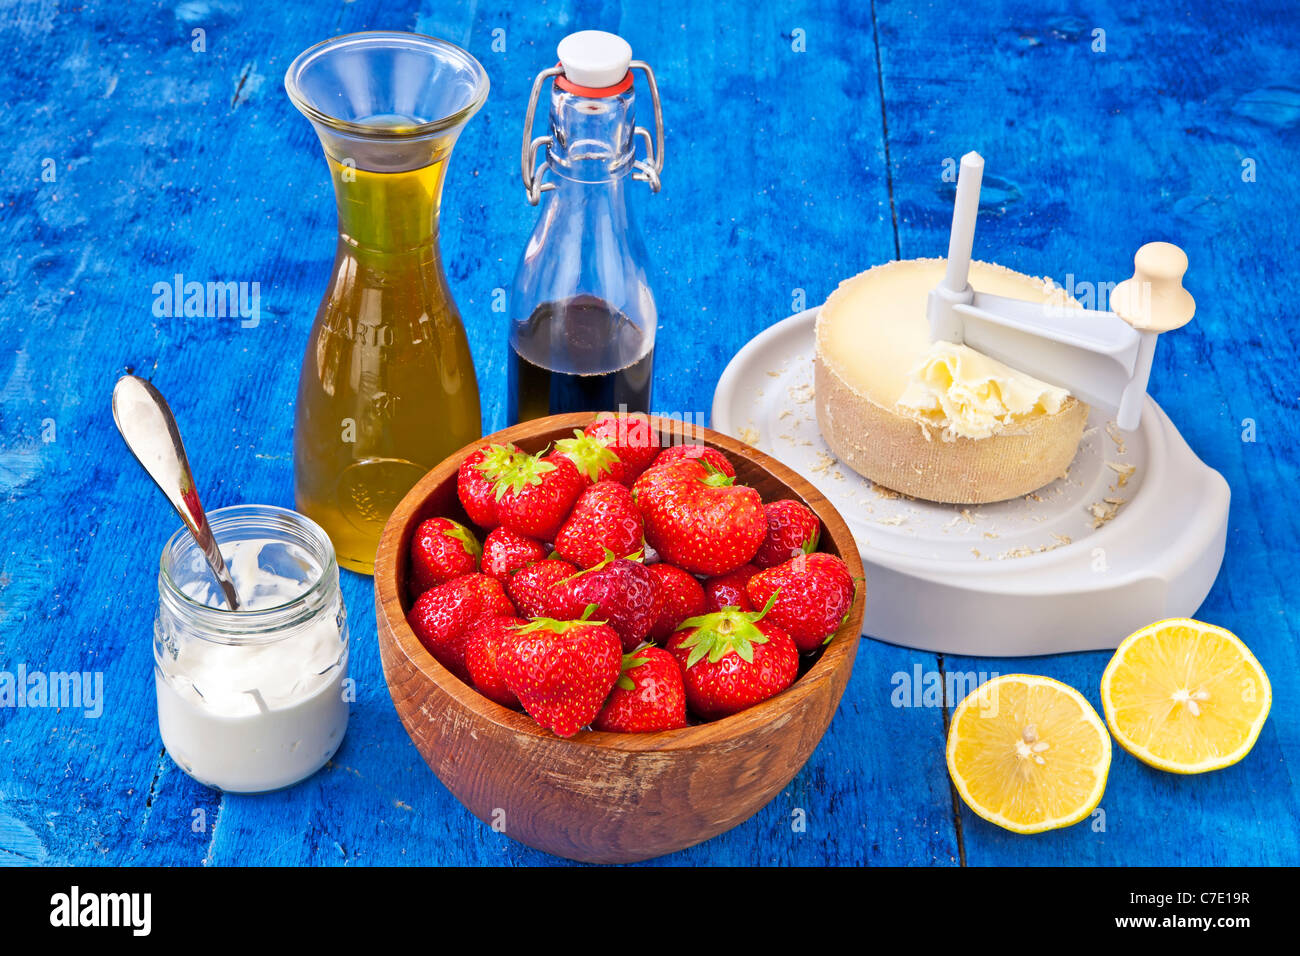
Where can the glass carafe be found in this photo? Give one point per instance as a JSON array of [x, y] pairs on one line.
[[387, 388]]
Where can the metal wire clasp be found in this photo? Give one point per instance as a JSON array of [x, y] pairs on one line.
[[646, 170], [529, 166]]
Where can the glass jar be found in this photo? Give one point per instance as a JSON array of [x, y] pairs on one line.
[[252, 700]]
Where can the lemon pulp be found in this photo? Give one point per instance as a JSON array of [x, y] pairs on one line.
[[1185, 696], [1028, 753]]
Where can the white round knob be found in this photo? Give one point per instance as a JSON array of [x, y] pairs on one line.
[[594, 58], [1154, 299]]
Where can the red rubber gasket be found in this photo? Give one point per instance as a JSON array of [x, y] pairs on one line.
[[622, 86]]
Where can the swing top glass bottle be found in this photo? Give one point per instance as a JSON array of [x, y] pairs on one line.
[[582, 313]]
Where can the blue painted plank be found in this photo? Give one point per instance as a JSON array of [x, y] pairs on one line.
[[1090, 154], [168, 160], [224, 180]]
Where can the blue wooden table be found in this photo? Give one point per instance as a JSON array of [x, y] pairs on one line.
[[804, 144]]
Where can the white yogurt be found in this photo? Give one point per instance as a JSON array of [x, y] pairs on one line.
[[253, 701]]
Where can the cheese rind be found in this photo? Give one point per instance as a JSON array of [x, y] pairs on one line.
[[935, 421]]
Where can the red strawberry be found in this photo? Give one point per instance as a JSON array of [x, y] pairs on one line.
[[698, 518], [505, 552], [483, 643], [603, 519], [732, 660], [592, 456], [561, 671], [623, 593], [811, 596], [476, 482], [441, 616], [534, 494], [696, 453], [678, 597], [631, 438], [442, 549], [649, 695], [792, 530], [531, 588], [728, 590], [657, 483]]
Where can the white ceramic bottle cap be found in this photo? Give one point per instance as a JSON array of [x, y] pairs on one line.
[[594, 58], [1154, 299]]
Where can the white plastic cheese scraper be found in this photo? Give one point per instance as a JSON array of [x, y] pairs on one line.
[[1102, 358]]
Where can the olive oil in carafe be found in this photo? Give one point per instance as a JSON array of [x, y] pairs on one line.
[[387, 388]]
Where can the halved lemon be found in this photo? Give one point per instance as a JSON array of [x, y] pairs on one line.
[[1185, 696], [1028, 753]]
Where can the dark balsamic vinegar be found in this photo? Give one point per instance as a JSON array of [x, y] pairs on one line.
[[578, 355]]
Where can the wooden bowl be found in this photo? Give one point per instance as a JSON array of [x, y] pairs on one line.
[[603, 797]]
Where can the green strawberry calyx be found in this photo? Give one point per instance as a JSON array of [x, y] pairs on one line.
[[610, 558], [590, 454], [718, 634], [519, 472], [844, 620], [716, 477], [460, 533], [496, 460], [631, 661], [560, 627]]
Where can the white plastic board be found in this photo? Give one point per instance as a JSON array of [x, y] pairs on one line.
[[1133, 534]]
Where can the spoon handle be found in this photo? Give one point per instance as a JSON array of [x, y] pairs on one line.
[[149, 430]]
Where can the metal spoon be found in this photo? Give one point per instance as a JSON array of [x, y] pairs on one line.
[[150, 431]]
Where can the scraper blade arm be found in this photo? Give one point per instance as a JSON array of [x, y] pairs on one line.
[[1092, 354]]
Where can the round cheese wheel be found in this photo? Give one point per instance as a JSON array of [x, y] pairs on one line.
[[871, 334]]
